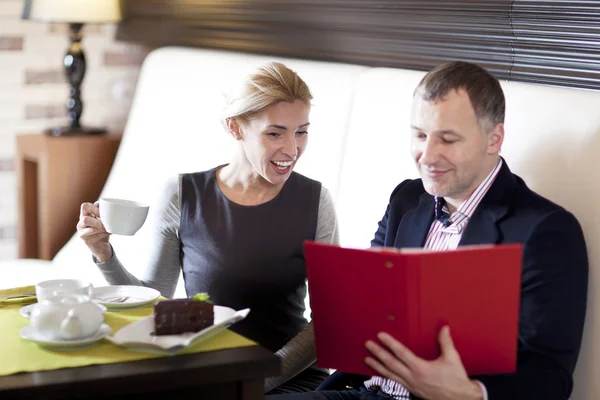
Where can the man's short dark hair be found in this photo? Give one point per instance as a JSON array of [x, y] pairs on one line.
[[484, 90]]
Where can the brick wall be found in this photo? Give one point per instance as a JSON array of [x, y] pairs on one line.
[[33, 90]]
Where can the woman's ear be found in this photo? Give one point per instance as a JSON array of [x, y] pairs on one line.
[[234, 128]]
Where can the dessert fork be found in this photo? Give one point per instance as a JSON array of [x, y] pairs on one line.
[[114, 299]]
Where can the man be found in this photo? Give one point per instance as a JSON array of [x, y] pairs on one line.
[[467, 195]]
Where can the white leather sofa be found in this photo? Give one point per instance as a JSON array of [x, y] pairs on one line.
[[358, 147]]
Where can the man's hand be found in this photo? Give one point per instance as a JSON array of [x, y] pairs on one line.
[[444, 378]]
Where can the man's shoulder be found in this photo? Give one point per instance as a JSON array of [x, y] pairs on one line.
[[535, 210], [409, 190], [533, 201]]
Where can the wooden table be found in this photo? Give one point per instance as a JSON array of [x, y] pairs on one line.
[[224, 375]]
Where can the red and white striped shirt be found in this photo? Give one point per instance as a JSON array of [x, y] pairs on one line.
[[442, 237]]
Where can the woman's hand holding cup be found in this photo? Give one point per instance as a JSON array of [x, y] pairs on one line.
[[93, 233]]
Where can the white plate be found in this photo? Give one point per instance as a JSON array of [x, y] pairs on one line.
[[29, 333], [26, 311], [124, 296], [139, 334]]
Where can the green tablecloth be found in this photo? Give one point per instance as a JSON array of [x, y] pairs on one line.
[[19, 355]]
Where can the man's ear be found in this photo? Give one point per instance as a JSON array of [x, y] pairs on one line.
[[495, 139], [234, 128]]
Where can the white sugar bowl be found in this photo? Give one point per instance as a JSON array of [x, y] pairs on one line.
[[67, 316]]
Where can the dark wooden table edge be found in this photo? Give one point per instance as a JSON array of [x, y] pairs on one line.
[[164, 373]]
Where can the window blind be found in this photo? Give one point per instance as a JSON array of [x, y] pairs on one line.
[[547, 42]]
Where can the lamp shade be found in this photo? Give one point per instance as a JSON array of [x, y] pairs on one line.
[[73, 11]]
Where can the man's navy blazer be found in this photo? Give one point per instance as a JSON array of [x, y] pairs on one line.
[[554, 275]]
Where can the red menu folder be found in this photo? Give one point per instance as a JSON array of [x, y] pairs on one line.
[[411, 294]]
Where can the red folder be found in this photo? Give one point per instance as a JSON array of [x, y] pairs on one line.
[[411, 294]]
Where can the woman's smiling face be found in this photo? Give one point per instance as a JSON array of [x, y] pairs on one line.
[[274, 139]]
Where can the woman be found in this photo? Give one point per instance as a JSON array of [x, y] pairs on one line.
[[236, 231]]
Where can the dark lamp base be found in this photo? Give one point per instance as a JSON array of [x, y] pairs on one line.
[[71, 131]]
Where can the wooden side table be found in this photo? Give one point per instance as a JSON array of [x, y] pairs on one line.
[[54, 176]]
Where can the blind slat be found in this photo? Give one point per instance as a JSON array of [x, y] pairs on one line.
[[543, 41]]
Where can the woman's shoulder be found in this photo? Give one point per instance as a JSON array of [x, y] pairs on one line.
[[303, 179], [200, 177], [203, 173], [171, 184]]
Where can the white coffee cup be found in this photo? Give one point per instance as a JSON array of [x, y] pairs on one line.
[[46, 290], [122, 217]]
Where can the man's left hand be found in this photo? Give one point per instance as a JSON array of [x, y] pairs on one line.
[[444, 378]]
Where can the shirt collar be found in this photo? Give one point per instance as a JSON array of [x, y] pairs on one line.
[[468, 206]]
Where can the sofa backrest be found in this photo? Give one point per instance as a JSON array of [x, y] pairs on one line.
[[358, 147], [553, 142], [377, 152]]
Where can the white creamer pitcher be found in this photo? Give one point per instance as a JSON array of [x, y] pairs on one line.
[[67, 316]]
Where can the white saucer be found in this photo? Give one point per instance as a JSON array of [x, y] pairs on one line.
[[124, 296], [26, 311], [139, 335], [29, 333]]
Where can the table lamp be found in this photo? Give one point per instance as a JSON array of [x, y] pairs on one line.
[[76, 13]]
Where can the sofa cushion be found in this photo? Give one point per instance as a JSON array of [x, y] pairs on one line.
[[377, 153], [552, 142], [25, 272]]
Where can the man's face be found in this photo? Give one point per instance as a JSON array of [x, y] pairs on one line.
[[452, 153]]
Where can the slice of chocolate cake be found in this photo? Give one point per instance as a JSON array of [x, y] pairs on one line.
[[172, 317]]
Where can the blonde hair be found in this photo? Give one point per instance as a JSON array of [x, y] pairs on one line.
[[270, 84]]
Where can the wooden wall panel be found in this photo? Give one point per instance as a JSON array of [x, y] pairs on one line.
[[547, 42]]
